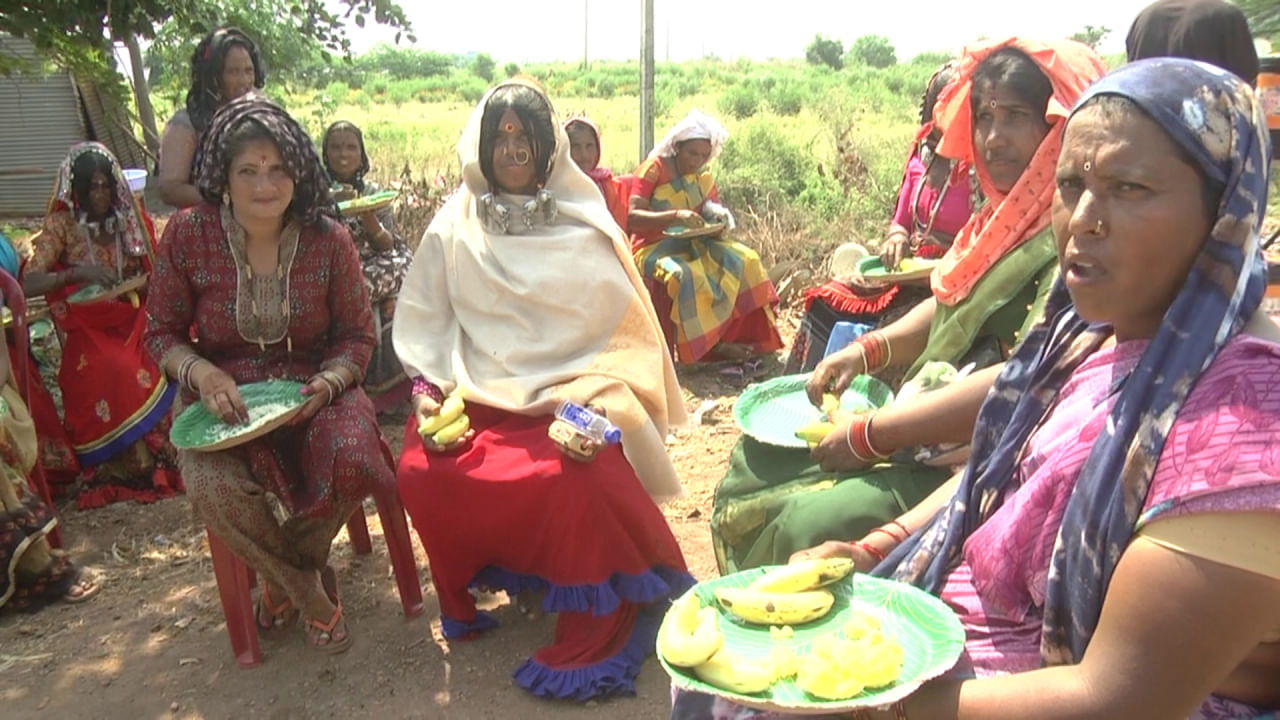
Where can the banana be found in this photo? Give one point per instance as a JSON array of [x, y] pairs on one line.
[[741, 675], [691, 634], [451, 432], [815, 432], [803, 575], [134, 300], [830, 403], [449, 411], [762, 608]]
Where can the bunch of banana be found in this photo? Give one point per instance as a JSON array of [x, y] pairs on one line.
[[840, 665], [788, 595], [449, 424], [691, 633]]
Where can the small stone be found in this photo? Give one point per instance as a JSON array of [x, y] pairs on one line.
[[105, 682], [592, 703], [173, 706]]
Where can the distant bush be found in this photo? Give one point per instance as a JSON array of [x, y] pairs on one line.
[[825, 51], [512, 70], [471, 89], [739, 101], [760, 165], [483, 66], [873, 50], [786, 99]]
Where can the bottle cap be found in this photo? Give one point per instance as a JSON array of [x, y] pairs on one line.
[[613, 435]]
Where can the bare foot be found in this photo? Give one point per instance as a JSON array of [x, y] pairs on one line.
[[82, 589]]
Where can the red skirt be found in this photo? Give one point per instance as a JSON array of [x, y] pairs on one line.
[[510, 511]]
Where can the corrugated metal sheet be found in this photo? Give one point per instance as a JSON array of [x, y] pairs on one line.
[[109, 124], [39, 119]]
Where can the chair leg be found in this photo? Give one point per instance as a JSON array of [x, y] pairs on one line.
[[400, 547], [232, 576], [358, 531]]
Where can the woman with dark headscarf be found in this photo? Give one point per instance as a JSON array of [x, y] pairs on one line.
[[1113, 547], [116, 400], [522, 295], [1213, 31], [934, 203], [273, 287], [224, 66], [383, 253]]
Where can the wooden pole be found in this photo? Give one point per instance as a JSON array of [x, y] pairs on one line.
[[646, 78], [585, 35]]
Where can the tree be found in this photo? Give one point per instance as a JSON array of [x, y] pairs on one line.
[[79, 34], [873, 50], [512, 69], [1092, 35], [825, 51], [1263, 15], [483, 66]]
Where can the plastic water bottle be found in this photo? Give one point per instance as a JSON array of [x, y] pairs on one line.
[[595, 426]]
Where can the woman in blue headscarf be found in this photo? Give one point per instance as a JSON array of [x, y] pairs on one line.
[[1113, 547]]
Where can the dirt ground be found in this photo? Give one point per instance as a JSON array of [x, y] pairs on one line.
[[153, 644]]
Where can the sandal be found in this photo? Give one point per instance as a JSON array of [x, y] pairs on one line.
[[280, 617], [86, 590], [318, 631]]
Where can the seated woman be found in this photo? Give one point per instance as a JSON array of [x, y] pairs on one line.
[[32, 573], [934, 203], [383, 253], [115, 399], [274, 290], [1003, 114], [1113, 547], [224, 66], [584, 148], [522, 295], [1212, 31], [712, 295]]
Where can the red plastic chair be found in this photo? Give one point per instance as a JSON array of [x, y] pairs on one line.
[[235, 579], [16, 301]]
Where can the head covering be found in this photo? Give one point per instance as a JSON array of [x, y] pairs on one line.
[[344, 126], [1215, 117], [1008, 219], [311, 196], [585, 122], [132, 232], [518, 303], [1213, 31], [695, 126]]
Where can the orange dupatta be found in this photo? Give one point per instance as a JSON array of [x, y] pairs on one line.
[[1006, 220]]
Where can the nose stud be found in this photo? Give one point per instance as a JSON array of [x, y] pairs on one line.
[[1097, 229]]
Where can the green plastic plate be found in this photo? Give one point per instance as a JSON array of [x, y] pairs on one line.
[[376, 201], [908, 269], [87, 292], [271, 403], [773, 410], [929, 632]]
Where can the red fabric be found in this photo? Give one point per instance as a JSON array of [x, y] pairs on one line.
[[511, 500], [848, 301], [56, 454]]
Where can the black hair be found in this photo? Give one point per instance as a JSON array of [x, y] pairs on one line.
[[82, 172], [1015, 71], [345, 126], [238, 138], [207, 64], [534, 112], [939, 80], [1116, 107]]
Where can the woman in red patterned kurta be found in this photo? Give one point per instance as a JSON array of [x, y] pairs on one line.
[[274, 289]]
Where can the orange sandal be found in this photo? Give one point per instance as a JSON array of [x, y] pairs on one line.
[[282, 616], [317, 631]]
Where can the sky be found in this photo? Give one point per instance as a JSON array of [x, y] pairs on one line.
[[544, 30]]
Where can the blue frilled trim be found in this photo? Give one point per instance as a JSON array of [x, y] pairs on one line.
[[657, 583], [611, 676], [458, 630]]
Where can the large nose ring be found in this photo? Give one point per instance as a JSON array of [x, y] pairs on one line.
[[522, 157]]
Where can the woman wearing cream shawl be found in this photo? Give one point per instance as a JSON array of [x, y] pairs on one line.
[[522, 294]]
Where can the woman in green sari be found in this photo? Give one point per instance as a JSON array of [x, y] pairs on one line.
[[1003, 115]]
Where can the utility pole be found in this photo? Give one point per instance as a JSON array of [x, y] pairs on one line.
[[585, 4], [646, 78]]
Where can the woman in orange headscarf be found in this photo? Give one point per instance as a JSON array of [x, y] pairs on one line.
[[1003, 115]]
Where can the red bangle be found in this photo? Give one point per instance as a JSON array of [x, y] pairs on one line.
[[856, 436], [905, 532], [870, 549], [876, 351], [896, 539]]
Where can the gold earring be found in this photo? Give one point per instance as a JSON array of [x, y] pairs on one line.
[[226, 198]]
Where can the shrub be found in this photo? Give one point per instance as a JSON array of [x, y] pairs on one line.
[[739, 101], [786, 99], [512, 69], [483, 66], [471, 89], [761, 165], [825, 51], [873, 50]]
